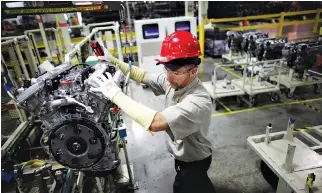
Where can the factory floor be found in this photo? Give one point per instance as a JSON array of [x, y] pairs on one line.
[[235, 166]]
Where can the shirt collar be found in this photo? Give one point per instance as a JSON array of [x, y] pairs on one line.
[[186, 88]]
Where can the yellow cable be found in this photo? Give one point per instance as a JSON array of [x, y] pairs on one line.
[[34, 162]]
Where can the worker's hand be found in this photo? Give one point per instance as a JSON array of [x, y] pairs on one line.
[[107, 55], [106, 86]]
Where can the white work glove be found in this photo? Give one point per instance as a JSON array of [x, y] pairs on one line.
[[106, 86], [107, 55]]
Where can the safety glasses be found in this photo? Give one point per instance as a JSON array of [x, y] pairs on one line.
[[170, 72]]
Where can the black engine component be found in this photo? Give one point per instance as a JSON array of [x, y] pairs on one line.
[[235, 39], [249, 42], [76, 122], [270, 48], [301, 56]]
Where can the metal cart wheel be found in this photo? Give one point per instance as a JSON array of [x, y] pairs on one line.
[[275, 97], [253, 100], [240, 101], [214, 102], [316, 89], [289, 94]]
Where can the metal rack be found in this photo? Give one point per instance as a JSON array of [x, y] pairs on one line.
[[290, 82], [253, 87], [221, 88], [291, 159]]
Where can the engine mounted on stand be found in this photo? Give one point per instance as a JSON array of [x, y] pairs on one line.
[[235, 39], [82, 130], [270, 48], [301, 56], [249, 42]]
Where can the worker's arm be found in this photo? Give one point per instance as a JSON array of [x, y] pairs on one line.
[[146, 117], [137, 74], [179, 121], [155, 81], [158, 123]]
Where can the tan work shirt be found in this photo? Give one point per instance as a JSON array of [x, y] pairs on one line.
[[188, 114]]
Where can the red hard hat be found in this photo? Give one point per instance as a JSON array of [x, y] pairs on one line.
[[180, 44]]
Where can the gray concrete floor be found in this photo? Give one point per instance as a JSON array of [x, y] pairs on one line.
[[235, 167]]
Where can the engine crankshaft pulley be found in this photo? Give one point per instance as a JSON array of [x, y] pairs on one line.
[[77, 143]]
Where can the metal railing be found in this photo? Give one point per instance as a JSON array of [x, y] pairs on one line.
[[14, 41], [58, 42], [281, 21], [77, 49]]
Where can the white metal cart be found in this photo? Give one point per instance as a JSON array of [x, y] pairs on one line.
[[289, 80], [231, 57], [254, 85], [294, 166], [244, 61], [222, 88]]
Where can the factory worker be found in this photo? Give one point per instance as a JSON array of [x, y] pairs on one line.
[[187, 115]]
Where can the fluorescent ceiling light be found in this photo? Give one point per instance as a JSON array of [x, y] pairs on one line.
[[15, 4], [84, 3]]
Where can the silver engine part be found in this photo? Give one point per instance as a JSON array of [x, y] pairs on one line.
[[249, 41], [235, 39], [270, 48], [76, 122]]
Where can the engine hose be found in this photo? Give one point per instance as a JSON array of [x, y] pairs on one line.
[[115, 135], [65, 181]]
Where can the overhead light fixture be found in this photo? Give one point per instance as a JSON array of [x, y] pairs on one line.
[[15, 4], [84, 3]]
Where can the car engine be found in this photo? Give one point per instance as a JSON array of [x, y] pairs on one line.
[[270, 48], [301, 56], [78, 125], [235, 39], [249, 42]]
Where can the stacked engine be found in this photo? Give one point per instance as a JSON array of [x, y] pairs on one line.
[[235, 39], [77, 124], [270, 48], [249, 42], [301, 56]]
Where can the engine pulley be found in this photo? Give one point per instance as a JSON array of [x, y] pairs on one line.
[[77, 143]]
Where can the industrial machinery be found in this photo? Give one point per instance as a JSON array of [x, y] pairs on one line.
[[81, 130], [270, 48], [249, 42], [241, 44], [301, 57], [291, 159], [249, 46], [236, 52], [235, 39]]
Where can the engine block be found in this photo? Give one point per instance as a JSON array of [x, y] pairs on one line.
[[270, 48], [76, 122], [302, 56]]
